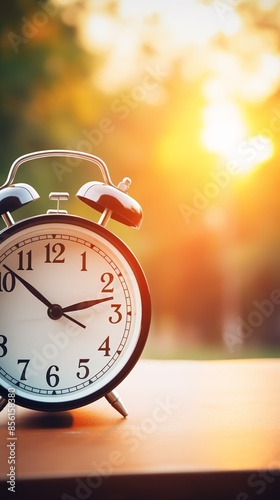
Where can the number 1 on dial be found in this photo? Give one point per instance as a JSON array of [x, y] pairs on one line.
[[84, 261]]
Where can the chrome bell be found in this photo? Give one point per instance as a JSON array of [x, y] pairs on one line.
[[13, 197], [104, 197]]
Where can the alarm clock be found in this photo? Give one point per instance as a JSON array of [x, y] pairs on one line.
[[75, 306]]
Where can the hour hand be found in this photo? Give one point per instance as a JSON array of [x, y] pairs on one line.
[[85, 304]]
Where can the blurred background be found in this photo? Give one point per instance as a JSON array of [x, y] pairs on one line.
[[181, 96]]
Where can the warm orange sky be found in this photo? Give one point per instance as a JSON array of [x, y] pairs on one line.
[[183, 97], [218, 44]]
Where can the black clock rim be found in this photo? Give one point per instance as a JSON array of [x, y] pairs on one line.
[[145, 301]]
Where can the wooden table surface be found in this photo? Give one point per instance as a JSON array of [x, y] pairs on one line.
[[195, 430]]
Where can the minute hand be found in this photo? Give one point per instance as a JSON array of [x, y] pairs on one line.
[[85, 304], [29, 287], [43, 299]]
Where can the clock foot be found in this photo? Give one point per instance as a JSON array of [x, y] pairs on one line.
[[114, 399], [3, 403]]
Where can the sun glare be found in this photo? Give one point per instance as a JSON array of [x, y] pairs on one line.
[[225, 133], [231, 24], [223, 129], [253, 153], [196, 37], [98, 31]]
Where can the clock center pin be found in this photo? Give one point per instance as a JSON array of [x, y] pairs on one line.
[[55, 311]]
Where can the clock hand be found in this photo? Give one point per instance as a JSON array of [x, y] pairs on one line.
[[29, 287], [54, 310], [85, 304]]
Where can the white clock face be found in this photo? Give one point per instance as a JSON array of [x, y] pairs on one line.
[[74, 311]]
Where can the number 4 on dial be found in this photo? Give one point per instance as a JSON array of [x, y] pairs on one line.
[[105, 347]]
